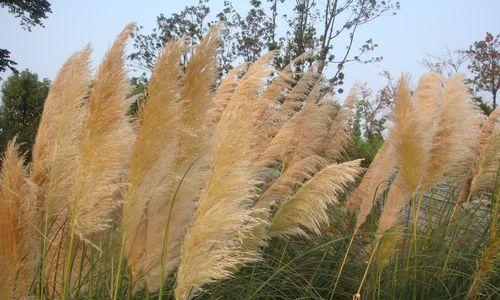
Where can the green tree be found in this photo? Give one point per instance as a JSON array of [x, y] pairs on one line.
[[255, 32], [23, 96], [6, 62], [242, 37], [312, 26], [301, 33], [190, 22], [372, 113], [485, 65], [31, 13]]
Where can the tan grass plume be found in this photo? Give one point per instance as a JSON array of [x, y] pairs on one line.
[[456, 126], [302, 136], [212, 248], [288, 182], [17, 234], [373, 184], [169, 216], [56, 145], [307, 210], [104, 146], [225, 91], [484, 136], [488, 167], [428, 97], [299, 93], [55, 156], [407, 139], [396, 200], [153, 154], [339, 135]]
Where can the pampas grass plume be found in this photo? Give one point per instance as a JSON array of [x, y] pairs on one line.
[[17, 235], [307, 210], [104, 146]]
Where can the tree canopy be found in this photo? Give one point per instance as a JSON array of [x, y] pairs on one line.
[[485, 65], [23, 96], [326, 28]]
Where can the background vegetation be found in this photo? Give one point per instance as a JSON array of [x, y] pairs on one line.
[[442, 244]]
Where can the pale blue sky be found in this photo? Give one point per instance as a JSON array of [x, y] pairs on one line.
[[420, 27]]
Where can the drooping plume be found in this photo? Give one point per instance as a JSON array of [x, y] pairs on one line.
[[484, 137], [104, 146], [487, 175], [456, 127], [153, 155], [374, 182], [55, 150], [212, 248], [169, 216], [302, 136], [397, 198], [17, 234], [225, 91], [307, 210], [387, 243], [339, 135], [287, 183], [283, 94], [299, 93]]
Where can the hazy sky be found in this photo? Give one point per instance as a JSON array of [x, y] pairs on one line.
[[421, 27]]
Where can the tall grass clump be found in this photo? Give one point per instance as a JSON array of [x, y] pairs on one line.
[[80, 159], [241, 187], [55, 154], [17, 231], [152, 155]]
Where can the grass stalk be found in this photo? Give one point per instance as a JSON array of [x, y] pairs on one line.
[[365, 274], [395, 275], [120, 262], [344, 259], [165, 233], [316, 270], [44, 255], [278, 270], [66, 284], [415, 227]]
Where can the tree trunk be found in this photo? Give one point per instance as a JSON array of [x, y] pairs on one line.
[[494, 92]]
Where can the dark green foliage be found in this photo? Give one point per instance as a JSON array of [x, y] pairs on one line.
[[23, 96], [482, 105], [31, 12], [136, 95], [254, 32], [6, 62]]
